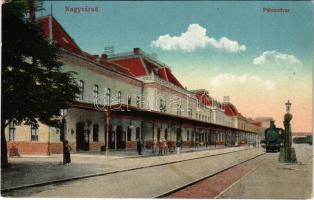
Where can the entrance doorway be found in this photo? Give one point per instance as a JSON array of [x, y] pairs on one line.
[[138, 132], [120, 138], [158, 134], [82, 138], [178, 132], [111, 138]]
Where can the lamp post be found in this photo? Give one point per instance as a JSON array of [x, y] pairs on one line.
[[63, 113], [287, 119], [288, 106], [288, 153]]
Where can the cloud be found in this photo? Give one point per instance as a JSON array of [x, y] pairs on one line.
[[195, 37], [277, 58], [269, 84], [225, 79]]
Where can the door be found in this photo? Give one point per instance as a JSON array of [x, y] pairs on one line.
[[120, 138], [178, 133], [82, 138], [111, 137]]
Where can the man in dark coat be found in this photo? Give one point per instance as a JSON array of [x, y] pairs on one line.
[[67, 151], [139, 144]]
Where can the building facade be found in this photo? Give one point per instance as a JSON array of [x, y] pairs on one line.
[[126, 96]]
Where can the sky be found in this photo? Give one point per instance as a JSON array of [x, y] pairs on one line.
[[259, 59]]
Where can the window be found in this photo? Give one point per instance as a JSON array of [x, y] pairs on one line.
[[81, 90], [166, 134], [34, 136], [119, 97], [138, 100], [108, 96], [178, 109], [162, 105], [190, 112], [188, 135], [95, 91], [129, 133], [129, 100], [11, 131], [95, 132]]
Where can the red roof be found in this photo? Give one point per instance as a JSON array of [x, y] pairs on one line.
[[231, 110], [134, 65], [116, 67], [172, 78], [257, 124], [64, 41], [163, 73], [59, 35], [204, 99]]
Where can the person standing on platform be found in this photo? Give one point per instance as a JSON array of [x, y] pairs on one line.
[[160, 148], [165, 147], [139, 146], [178, 145], [67, 151]]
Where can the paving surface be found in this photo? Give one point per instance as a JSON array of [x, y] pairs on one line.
[[211, 187], [145, 182], [36, 169], [276, 180]]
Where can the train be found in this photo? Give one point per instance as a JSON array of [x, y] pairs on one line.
[[274, 138], [303, 140]]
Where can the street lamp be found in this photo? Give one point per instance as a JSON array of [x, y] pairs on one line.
[[63, 113], [288, 106]]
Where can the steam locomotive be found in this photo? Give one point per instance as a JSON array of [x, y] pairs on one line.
[[274, 138]]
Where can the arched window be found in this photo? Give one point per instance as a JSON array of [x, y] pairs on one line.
[[81, 90], [34, 134], [161, 105], [108, 96], [119, 97], [129, 100], [11, 131], [179, 107], [95, 132], [138, 100], [95, 93]]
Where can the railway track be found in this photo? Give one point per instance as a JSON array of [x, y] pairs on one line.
[[175, 193], [25, 187]]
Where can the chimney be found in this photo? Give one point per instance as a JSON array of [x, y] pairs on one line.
[[95, 57], [103, 58], [226, 99], [136, 50]]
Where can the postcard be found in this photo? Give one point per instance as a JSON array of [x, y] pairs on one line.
[[156, 99]]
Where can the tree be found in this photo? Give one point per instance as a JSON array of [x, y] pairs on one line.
[[34, 88]]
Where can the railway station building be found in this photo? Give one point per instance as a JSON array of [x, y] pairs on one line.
[[126, 96]]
